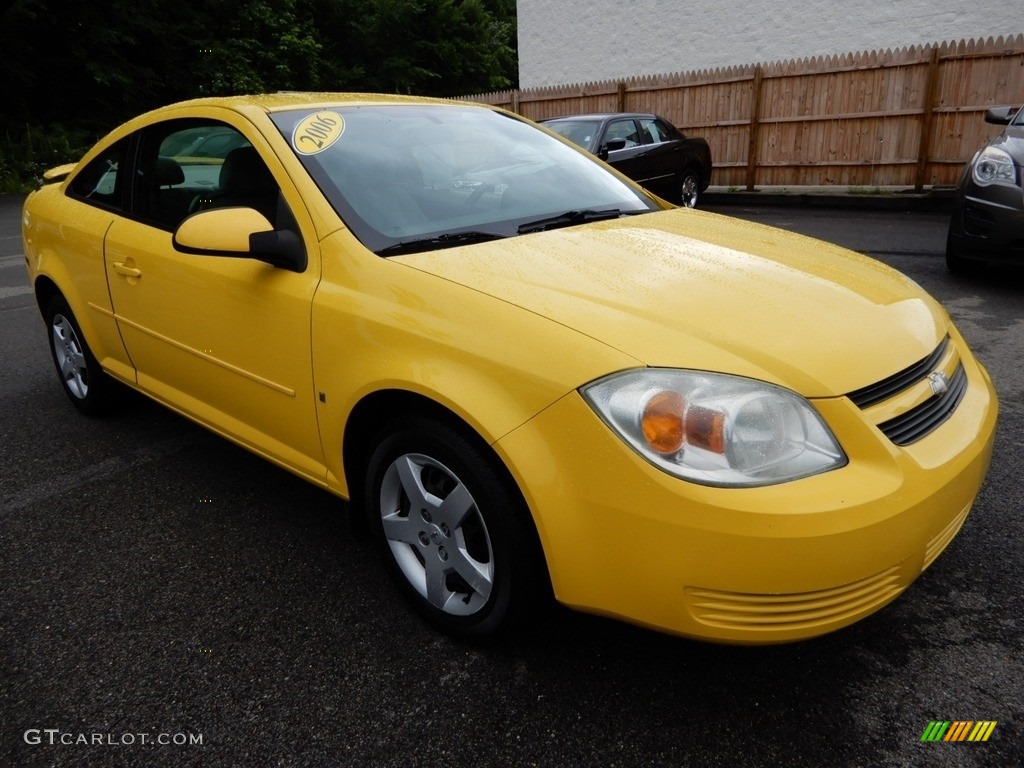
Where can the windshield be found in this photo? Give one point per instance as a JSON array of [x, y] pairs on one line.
[[434, 176], [582, 132]]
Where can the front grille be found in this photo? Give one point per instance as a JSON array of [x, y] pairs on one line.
[[767, 613], [911, 426], [920, 420], [908, 377]]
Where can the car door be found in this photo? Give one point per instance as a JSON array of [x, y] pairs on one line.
[[628, 160], [663, 155], [224, 340]]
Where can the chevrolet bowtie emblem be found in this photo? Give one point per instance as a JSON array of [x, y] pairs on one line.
[[938, 382]]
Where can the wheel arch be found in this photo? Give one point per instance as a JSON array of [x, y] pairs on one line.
[[45, 290], [369, 415], [384, 406], [57, 280], [96, 323]]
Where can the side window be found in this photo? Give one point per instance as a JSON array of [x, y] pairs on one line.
[[101, 182], [623, 129], [657, 132], [187, 166]]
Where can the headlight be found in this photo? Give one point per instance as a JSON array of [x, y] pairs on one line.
[[994, 166], [716, 429]]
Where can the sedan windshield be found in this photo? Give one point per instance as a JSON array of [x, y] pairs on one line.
[[582, 132], [422, 177]]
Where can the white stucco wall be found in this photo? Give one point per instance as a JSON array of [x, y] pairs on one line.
[[563, 42]]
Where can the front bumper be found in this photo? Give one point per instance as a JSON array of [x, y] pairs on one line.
[[988, 224], [762, 565]]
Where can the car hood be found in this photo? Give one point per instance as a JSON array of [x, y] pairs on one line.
[[690, 289]]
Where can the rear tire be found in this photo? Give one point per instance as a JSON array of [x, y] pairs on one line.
[[689, 188], [88, 388], [453, 529]]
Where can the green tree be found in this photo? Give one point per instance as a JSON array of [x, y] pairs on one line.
[[96, 63], [257, 46], [428, 47], [74, 69]]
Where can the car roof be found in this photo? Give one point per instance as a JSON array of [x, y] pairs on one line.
[[284, 100], [251, 105], [598, 116]]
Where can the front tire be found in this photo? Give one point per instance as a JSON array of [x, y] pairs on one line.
[[452, 529], [84, 382]]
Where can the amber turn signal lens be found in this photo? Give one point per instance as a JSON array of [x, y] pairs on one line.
[[705, 428], [662, 422]]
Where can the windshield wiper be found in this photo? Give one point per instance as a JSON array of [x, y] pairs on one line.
[[449, 240], [569, 218]]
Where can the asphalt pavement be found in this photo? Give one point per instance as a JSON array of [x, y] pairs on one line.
[[159, 584]]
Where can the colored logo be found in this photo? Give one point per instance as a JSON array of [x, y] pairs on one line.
[[958, 730]]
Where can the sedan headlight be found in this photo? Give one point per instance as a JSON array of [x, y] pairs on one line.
[[994, 166], [716, 429]]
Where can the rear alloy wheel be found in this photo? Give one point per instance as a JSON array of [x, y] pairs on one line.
[[85, 384], [689, 189], [452, 529]]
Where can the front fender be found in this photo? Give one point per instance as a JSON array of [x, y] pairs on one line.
[[380, 325]]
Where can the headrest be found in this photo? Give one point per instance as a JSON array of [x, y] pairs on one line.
[[168, 172], [245, 172]]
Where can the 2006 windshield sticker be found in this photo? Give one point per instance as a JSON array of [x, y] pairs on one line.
[[317, 132]]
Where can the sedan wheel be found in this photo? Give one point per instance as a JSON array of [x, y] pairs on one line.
[[689, 189], [452, 530], [84, 382]]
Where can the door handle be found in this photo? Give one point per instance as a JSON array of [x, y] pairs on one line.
[[123, 269]]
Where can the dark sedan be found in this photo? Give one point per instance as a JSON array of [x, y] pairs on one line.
[[988, 212], [645, 147]]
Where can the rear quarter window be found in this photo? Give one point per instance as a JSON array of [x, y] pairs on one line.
[[101, 181]]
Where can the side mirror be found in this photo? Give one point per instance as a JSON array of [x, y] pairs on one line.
[[1000, 115], [611, 145], [240, 233]]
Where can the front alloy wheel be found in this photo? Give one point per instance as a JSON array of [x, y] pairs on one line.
[[452, 528], [436, 534]]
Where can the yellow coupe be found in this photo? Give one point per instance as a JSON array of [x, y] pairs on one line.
[[527, 375]]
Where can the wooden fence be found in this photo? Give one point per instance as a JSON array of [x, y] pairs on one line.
[[909, 117]]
